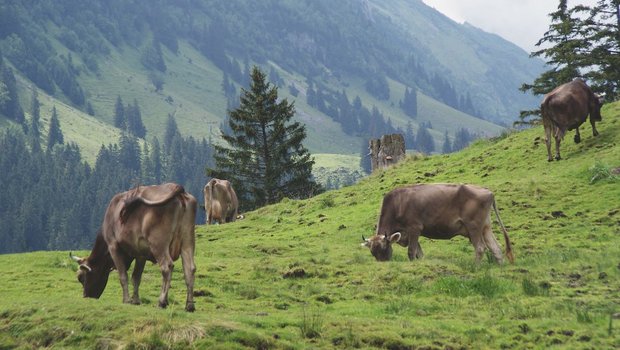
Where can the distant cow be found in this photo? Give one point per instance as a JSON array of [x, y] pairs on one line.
[[437, 211], [566, 108], [221, 203], [154, 223]]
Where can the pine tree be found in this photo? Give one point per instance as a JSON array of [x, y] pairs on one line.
[[134, 120], [265, 160], [447, 146], [120, 119], [35, 122], [54, 135], [424, 140], [9, 98], [172, 131]]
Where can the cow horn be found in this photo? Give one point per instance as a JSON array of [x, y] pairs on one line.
[[75, 258], [363, 239], [84, 266]]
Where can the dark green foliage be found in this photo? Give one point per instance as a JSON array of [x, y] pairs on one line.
[[377, 85], [54, 135], [582, 41], [9, 98], [265, 158], [447, 145], [54, 200], [134, 120], [120, 120], [409, 103], [424, 140], [462, 138], [152, 57]]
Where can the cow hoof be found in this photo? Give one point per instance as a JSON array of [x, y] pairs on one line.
[[558, 158], [135, 301], [549, 159], [190, 307], [163, 305], [595, 133], [577, 139]]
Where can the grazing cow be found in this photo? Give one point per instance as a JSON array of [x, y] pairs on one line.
[[566, 108], [221, 203], [154, 223], [437, 211]]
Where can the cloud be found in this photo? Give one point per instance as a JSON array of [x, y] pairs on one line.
[[522, 22]]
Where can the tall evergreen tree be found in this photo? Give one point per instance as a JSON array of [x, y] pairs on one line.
[[120, 119], [35, 122], [9, 97], [134, 120], [447, 146], [266, 159], [172, 131], [410, 102], [424, 140], [54, 135]]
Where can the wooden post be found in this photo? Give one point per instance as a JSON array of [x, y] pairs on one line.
[[386, 151]]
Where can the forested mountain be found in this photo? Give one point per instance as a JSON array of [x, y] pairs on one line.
[[99, 96], [192, 57]]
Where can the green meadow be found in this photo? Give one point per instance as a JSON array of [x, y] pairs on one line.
[[294, 276]]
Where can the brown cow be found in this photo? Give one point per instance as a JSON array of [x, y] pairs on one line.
[[566, 108], [221, 203], [154, 223], [437, 211]]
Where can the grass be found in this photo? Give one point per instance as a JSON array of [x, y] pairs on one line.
[[293, 275]]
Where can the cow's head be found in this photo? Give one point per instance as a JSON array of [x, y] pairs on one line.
[[381, 245], [93, 277], [595, 107]]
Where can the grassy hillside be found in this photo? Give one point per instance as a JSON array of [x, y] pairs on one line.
[[293, 275]]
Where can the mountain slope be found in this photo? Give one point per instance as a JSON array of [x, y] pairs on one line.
[[292, 275], [340, 46]]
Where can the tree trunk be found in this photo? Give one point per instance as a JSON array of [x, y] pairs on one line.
[[386, 151]]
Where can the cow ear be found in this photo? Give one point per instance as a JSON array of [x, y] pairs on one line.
[[394, 237]]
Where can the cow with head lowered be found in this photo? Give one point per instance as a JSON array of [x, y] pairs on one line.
[[437, 211], [154, 223], [221, 203], [566, 108]]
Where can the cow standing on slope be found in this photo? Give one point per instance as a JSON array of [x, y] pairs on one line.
[[566, 108], [437, 211], [154, 223], [221, 203]]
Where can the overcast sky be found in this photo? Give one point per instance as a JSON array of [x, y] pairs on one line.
[[522, 22]]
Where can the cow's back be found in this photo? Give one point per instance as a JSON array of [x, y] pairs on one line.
[[151, 229], [566, 107]]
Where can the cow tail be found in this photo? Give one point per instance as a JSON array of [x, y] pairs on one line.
[[509, 254]]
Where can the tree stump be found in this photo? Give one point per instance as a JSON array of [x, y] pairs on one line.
[[386, 151]]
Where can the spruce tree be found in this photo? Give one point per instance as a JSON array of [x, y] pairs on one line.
[[54, 135], [35, 127], [265, 158], [120, 120], [447, 146]]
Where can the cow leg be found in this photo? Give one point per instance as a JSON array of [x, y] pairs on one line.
[[136, 277], [548, 143], [476, 238], [414, 250], [557, 148], [189, 270], [594, 131], [166, 266], [577, 136], [121, 267], [491, 243]]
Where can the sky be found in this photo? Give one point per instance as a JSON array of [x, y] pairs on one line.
[[522, 22]]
